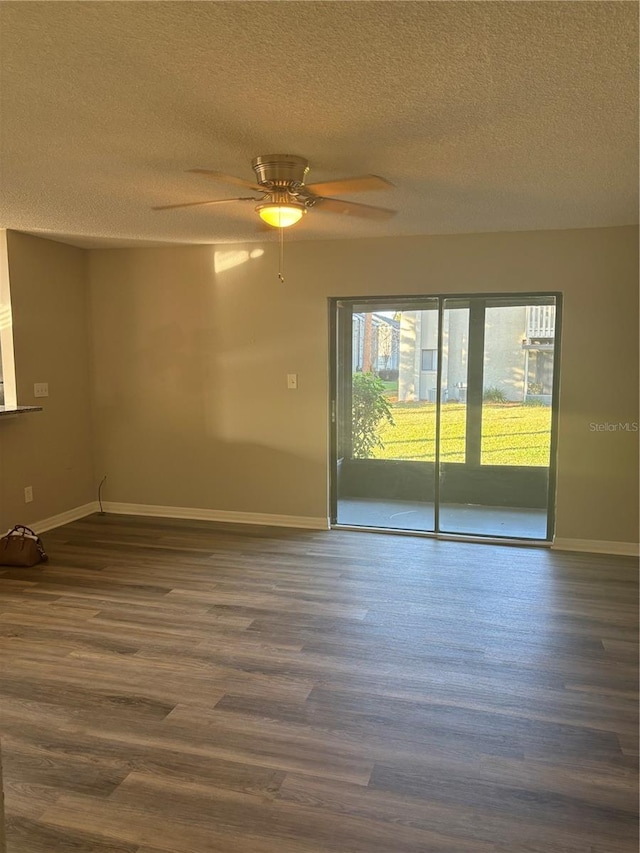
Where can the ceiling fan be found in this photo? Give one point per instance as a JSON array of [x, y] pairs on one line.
[[285, 196]]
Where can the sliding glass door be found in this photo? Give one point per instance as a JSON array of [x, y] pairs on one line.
[[385, 409], [443, 412]]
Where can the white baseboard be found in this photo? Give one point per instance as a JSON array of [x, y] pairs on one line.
[[64, 517], [595, 546], [195, 514]]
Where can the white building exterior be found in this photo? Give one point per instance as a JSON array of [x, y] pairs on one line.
[[518, 353]]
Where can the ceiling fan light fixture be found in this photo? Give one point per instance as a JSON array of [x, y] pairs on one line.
[[281, 215], [285, 198]]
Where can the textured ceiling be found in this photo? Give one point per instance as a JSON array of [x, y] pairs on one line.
[[486, 116]]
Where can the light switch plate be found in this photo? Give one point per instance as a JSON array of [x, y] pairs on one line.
[[41, 389], [292, 381]]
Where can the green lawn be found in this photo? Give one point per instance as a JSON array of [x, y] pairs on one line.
[[512, 434]]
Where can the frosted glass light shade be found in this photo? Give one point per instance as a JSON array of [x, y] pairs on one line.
[[281, 215]]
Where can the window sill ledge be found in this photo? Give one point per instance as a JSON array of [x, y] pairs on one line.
[[6, 411]]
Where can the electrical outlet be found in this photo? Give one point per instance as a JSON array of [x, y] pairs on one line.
[[28, 494], [292, 381], [40, 389]]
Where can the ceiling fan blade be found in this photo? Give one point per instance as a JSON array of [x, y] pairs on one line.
[[228, 179], [201, 203], [352, 208], [350, 185]]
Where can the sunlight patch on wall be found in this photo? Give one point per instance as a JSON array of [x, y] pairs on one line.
[[226, 260]]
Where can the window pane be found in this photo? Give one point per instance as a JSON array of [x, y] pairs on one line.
[[517, 385], [430, 359], [412, 393], [453, 413]]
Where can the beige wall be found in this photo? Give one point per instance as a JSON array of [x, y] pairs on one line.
[[49, 450], [190, 383], [190, 356], [191, 403]]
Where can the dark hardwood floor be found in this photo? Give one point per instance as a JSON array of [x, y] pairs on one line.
[[184, 687]]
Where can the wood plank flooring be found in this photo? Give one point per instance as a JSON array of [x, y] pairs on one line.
[[184, 687]]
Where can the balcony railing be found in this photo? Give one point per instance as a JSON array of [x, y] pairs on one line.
[[541, 322]]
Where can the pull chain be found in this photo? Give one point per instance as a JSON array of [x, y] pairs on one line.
[[281, 268]]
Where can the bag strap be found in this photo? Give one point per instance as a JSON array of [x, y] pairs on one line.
[[21, 530], [24, 529]]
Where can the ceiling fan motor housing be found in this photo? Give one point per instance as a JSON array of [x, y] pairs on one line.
[[280, 170]]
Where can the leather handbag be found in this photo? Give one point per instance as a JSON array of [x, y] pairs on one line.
[[21, 547]]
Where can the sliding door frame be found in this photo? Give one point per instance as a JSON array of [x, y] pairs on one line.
[[555, 405], [337, 406]]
